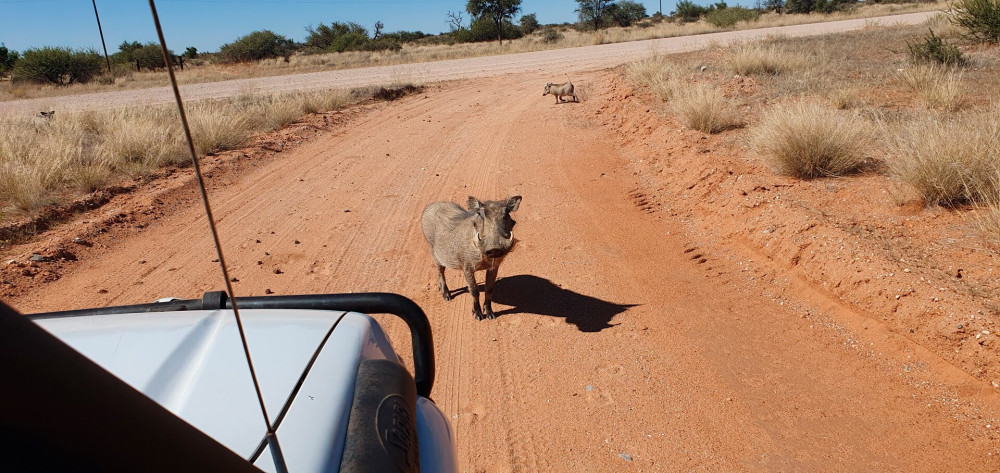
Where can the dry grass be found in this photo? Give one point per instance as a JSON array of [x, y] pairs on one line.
[[657, 73], [414, 53], [762, 58], [948, 161], [704, 108], [940, 87], [806, 140], [44, 164]]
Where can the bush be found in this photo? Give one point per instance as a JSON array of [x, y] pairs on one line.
[[62, 66], [7, 60], [728, 17], [626, 12], [704, 109], [551, 35], [256, 46], [483, 29], [529, 23], [688, 11], [948, 162], [404, 36], [809, 141], [148, 56], [981, 18], [935, 49], [339, 36], [817, 6]]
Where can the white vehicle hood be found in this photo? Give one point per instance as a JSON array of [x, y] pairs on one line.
[[193, 364]]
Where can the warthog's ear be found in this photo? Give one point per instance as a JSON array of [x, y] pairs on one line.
[[513, 203], [474, 204]]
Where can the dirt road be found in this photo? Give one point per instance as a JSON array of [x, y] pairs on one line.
[[558, 62], [624, 342]]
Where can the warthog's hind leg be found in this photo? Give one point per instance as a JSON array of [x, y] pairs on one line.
[[442, 284]]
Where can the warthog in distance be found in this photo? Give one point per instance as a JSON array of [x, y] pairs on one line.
[[560, 90], [470, 240]]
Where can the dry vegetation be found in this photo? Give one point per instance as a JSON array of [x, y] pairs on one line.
[[817, 108], [48, 162], [561, 37]]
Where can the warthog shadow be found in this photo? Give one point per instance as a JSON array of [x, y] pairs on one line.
[[534, 295]]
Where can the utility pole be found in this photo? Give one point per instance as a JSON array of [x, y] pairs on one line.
[[99, 30]]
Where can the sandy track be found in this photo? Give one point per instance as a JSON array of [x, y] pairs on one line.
[[614, 338], [559, 63]]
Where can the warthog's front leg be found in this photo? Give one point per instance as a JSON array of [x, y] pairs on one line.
[[442, 284], [470, 279], [491, 279]]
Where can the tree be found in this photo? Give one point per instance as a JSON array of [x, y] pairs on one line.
[[496, 10], [256, 46], [595, 12], [455, 20], [7, 60], [61, 66], [777, 6], [626, 12], [339, 36], [378, 30], [529, 23], [191, 52]]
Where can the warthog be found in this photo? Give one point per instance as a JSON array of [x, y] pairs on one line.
[[559, 90], [471, 240]]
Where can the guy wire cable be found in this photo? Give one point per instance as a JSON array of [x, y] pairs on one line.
[[272, 437]]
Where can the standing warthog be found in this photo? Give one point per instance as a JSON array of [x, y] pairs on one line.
[[559, 90], [471, 240]]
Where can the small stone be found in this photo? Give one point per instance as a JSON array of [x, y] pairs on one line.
[[589, 387], [625, 457], [233, 279], [278, 271], [347, 211], [260, 262], [37, 257], [102, 291], [268, 291], [297, 242]]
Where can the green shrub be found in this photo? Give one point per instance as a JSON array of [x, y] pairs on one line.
[[483, 29], [728, 17], [981, 18], [627, 12], [688, 11], [135, 54], [7, 60], [529, 23], [935, 49], [257, 46], [62, 66]]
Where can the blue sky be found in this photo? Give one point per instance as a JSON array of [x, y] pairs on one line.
[[208, 24]]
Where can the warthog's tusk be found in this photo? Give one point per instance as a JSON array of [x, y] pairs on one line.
[[511, 239], [477, 237]]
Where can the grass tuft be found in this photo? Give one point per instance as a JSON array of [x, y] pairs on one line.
[[948, 162], [704, 109], [806, 140]]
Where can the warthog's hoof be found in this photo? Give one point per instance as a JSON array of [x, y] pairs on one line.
[[490, 315], [446, 296]]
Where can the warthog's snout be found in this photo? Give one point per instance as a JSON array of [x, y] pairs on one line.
[[471, 240]]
